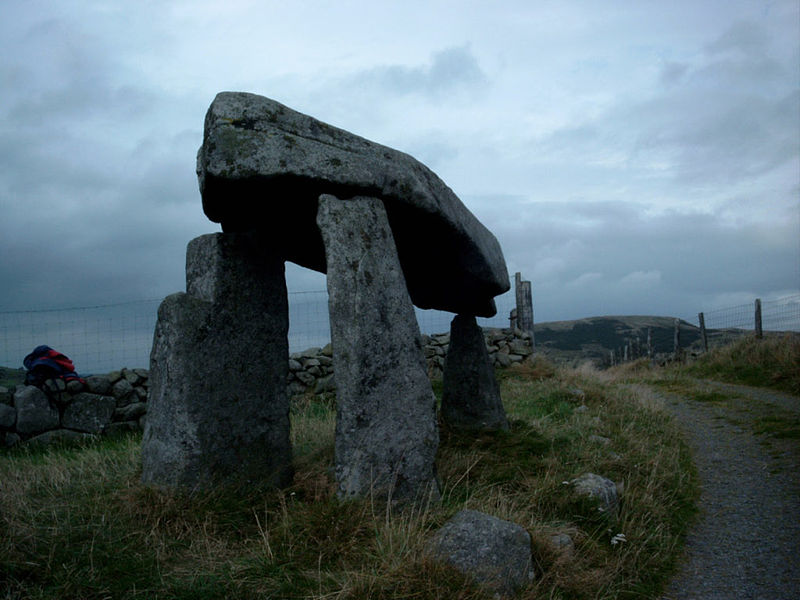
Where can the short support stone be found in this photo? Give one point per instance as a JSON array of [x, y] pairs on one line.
[[470, 397], [218, 411], [386, 431]]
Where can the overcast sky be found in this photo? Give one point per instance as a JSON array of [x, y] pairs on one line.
[[631, 157]]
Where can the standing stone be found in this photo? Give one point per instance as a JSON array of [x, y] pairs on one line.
[[470, 396], [218, 409], [386, 432]]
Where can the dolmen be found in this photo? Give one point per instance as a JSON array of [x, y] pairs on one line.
[[390, 235]]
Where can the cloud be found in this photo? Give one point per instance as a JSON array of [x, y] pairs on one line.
[[729, 113], [450, 70], [617, 257]]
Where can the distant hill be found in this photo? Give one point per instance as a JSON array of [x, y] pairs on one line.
[[595, 337]]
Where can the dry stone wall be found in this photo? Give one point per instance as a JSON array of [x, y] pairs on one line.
[[311, 371], [118, 401], [104, 404]]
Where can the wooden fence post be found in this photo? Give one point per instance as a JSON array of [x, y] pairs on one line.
[[701, 317], [677, 339], [649, 342], [759, 330], [522, 290]]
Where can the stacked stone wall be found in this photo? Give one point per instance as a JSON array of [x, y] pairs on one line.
[[311, 371], [104, 404], [118, 401]]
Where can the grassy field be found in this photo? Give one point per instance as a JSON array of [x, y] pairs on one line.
[[772, 362], [76, 522]]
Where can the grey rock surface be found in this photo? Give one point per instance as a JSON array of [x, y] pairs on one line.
[[35, 412], [471, 395], [98, 384], [89, 413], [8, 416], [263, 165], [63, 436], [386, 431], [218, 410], [599, 488], [132, 412], [495, 552]]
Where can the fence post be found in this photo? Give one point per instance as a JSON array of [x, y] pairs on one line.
[[677, 339], [524, 305], [701, 317], [649, 342], [759, 331]]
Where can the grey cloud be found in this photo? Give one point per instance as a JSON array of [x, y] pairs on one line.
[[732, 114], [616, 258], [673, 72], [452, 69], [743, 36]]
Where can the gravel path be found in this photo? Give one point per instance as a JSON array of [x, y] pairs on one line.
[[746, 543]]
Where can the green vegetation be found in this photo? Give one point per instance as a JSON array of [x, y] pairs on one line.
[[76, 522], [773, 362], [10, 377]]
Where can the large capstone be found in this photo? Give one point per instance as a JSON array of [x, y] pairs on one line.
[[386, 432], [218, 410], [470, 394], [263, 165]]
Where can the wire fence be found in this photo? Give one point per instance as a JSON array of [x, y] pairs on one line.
[[103, 338], [100, 339], [782, 314]]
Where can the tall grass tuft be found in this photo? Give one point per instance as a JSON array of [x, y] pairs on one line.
[[773, 361], [77, 523]]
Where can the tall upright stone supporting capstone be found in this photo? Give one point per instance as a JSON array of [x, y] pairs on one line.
[[218, 411], [386, 431], [470, 396]]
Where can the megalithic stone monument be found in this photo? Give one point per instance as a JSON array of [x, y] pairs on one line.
[[218, 408], [262, 170], [386, 433], [470, 394], [263, 165]]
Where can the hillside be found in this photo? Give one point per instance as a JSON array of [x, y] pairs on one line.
[[594, 338]]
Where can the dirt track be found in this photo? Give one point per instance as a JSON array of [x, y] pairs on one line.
[[746, 543]]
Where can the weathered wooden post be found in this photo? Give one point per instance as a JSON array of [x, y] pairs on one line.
[[649, 343], [524, 305], [759, 330], [701, 318], [677, 339]]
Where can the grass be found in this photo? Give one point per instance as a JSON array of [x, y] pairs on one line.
[[10, 377], [773, 362], [76, 522]]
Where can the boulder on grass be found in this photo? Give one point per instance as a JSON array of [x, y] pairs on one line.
[[495, 552]]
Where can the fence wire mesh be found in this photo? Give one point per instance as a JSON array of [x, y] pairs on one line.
[[100, 339], [782, 314]]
